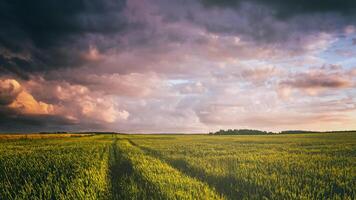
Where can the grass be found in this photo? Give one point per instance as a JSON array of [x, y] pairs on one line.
[[301, 166], [70, 168]]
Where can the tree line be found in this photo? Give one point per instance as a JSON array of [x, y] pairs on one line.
[[259, 132]]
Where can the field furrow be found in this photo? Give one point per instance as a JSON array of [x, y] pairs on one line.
[[156, 179], [255, 167]]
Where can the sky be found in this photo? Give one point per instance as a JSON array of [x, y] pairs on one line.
[[177, 65]]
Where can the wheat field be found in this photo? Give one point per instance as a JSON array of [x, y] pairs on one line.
[[294, 166]]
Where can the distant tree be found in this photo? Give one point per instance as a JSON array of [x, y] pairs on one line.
[[241, 132]]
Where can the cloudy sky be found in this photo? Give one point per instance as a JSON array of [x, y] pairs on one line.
[[177, 65]]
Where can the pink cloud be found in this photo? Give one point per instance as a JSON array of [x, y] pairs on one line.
[[78, 102], [315, 82]]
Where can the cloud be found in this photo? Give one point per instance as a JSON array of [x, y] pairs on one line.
[[295, 7], [25, 103], [314, 82], [158, 65], [10, 122], [130, 85], [69, 104], [341, 105], [55, 34], [306, 81], [114, 33], [78, 102], [314, 115], [191, 88], [259, 74], [20, 111], [9, 90], [14, 97], [353, 72]]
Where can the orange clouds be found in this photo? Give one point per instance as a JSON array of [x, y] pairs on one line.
[[63, 101], [78, 102], [15, 97], [26, 104]]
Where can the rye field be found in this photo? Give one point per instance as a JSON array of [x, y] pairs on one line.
[[295, 166]]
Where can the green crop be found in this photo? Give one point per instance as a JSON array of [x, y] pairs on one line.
[[301, 166], [75, 168], [317, 166]]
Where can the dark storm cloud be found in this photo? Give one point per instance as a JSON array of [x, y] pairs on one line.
[[33, 120], [278, 22], [283, 8], [13, 66], [41, 123], [259, 22], [12, 121], [53, 33]]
